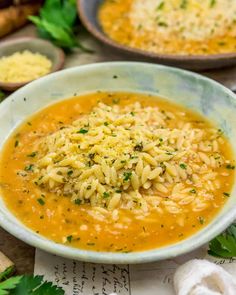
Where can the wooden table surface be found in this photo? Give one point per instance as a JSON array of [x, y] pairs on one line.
[[18, 251]]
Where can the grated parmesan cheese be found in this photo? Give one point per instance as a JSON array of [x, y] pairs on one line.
[[23, 66]]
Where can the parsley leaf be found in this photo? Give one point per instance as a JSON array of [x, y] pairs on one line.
[[56, 21], [138, 147], [212, 3], [106, 195], [77, 201], [29, 167], [9, 284], [69, 238], [184, 4], [29, 285], [127, 176], [41, 201], [161, 5], [32, 155], [229, 166], [7, 273], [183, 166], [224, 245], [82, 131]]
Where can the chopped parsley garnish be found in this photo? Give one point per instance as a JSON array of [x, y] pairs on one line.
[[91, 156], [77, 201], [32, 155], [115, 100], [183, 166], [138, 147], [69, 238], [162, 24], [41, 201], [70, 172], [139, 27], [118, 191], [212, 3], [220, 132], [226, 194], [106, 123], [160, 6], [193, 191], [184, 4], [163, 166], [82, 131], [16, 143], [221, 43], [133, 157], [89, 187], [132, 114], [229, 166], [127, 176], [29, 167], [201, 220], [106, 195]]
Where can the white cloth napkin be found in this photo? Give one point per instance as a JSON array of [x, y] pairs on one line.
[[201, 277]]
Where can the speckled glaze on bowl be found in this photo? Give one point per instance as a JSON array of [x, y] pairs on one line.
[[88, 15], [191, 90], [55, 54]]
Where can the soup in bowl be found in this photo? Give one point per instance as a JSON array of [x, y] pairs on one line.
[[137, 171]]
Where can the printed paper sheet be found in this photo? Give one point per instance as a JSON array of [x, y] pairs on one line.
[[79, 278]]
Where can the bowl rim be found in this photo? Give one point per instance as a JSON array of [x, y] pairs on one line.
[[167, 57], [24, 233], [58, 65]]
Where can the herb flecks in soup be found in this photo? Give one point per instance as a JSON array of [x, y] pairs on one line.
[[173, 27], [116, 172]]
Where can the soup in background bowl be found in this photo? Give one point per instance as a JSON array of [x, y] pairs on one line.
[[171, 27], [137, 171]]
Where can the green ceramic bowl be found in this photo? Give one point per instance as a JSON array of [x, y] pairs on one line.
[[191, 90]]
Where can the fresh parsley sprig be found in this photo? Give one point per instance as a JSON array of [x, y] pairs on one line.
[[9, 285], [56, 22], [224, 245], [29, 285]]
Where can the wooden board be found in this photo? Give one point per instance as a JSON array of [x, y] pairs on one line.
[[19, 252]]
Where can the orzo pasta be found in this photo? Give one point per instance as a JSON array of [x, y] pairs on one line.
[[116, 172], [189, 27]]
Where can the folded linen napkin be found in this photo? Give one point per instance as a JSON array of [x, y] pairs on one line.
[[201, 277]]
